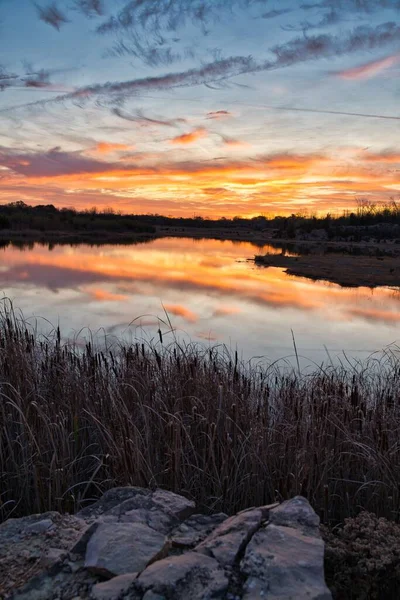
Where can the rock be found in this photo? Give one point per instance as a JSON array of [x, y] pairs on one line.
[[282, 562], [110, 500], [119, 548], [27, 549], [173, 504], [272, 552], [156, 519], [160, 510], [191, 575], [294, 513], [112, 589], [229, 539], [53, 556], [266, 509], [79, 548], [195, 529]]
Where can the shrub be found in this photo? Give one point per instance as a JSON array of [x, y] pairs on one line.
[[362, 558]]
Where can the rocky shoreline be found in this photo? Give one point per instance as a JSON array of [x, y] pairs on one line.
[[138, 544]]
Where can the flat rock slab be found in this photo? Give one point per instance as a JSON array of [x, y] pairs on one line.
[[282, 562], [120, 548], [230, 538], [195, 529], [191, 576]]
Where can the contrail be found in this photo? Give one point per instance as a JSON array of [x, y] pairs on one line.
[[334, 112]]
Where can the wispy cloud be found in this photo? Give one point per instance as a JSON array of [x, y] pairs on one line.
[[90, 8], [234, 143], [369, 69], [276, 12], [52, 15], [219, 114], [141, 119], [363, 37]]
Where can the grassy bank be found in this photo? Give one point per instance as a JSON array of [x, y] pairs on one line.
[[75, 421], [344, 269]]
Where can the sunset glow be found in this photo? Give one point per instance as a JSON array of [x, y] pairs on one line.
[[185, 114]]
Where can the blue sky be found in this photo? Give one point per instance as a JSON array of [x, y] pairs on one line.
[[208, 107]]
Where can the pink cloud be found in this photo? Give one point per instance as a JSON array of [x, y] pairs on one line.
[[370, 69]]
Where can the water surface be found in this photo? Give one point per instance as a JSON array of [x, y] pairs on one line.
[[211, 293]]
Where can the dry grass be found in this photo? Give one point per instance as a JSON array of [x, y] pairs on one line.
[[75, 421]]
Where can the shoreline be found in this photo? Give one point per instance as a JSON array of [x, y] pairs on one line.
[[342, 269]]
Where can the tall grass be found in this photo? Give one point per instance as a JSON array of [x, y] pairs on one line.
[[75, 421]]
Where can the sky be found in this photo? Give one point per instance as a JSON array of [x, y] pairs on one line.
[[200, 107]]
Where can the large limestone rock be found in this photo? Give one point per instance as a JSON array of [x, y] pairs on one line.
[[285, 559], [120, 548], [191, 575]]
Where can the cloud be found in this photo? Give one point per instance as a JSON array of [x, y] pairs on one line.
[[363, 37], [375, 315], [357, 6], [90, 8], [181, 311], [219, 114], [369, 69], [226, 311], [52, 15], [143, 120], [110, 147], [277, 182], [217, 71], [105, 296], [189, 138], [207, 336], [297, 50], [53, 163], [233, 143], [271, 14]]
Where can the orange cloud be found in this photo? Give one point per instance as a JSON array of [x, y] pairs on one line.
[[181, 311], [277, 183], [189, 138], [109, 147], [370, 69]]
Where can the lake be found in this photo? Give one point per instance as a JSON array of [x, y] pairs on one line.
[[210, 291]]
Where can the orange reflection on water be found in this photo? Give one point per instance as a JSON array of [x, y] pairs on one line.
[[206, 286]]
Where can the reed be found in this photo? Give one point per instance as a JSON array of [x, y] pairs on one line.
[[76, 420]]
